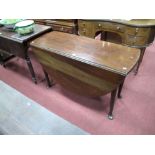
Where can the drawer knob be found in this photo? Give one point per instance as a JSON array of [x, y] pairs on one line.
[[62, 28], [135, 40], [118, 28], [99, 25], [136, 31], [84, 31]]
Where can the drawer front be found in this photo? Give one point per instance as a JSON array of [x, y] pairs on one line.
[[106, 26], [62, 28], [82, 24], [86, 29], [90, 28], [137, 31], [84, 32], [135, 40], [40, 21]]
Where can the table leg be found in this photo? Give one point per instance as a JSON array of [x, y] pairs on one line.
[[49, 83], [112, 102], [1, 59], [28, 61], [120, 89], [5, 57], [142, 51]]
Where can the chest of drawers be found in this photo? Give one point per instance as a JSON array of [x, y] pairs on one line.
[[137, 33]]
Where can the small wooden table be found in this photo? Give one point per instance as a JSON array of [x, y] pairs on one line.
[[83, 65], [17, 45]]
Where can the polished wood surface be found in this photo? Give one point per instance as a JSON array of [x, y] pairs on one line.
[[83, 65], [134, 33]]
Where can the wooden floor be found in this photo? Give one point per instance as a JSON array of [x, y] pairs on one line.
[[20, 115]]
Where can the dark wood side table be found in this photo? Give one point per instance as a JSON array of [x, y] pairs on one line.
[[19, 45], [83, 65]]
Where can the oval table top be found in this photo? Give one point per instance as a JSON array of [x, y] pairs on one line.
[[113, 57]]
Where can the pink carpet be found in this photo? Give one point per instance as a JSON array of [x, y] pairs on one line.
[[133, 114]]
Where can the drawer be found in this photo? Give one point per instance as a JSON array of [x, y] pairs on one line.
[[62, 28], [83, 31], [40, 21], [83, 24], [135, 40], [86, 32], [106, 26], [137, 31], [86, 28]]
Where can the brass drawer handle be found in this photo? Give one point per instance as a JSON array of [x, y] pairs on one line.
[[99, 25], [62, 28], [135, 40], [118, 28], [136, 31]]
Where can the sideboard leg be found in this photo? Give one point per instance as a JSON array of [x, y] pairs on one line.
[[112, 102], [120, 89], [142, 51]]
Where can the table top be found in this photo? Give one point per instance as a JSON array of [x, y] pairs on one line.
[[11, 35], [105, 55], [130, 22]]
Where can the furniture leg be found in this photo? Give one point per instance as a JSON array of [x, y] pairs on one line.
[[27, 58], [112, 102], [1, 59], [120, 89], [49, 84], [5, 57], [140, 59]]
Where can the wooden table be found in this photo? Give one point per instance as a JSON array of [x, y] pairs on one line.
[[17, 45], [134, 33], [83, 65]]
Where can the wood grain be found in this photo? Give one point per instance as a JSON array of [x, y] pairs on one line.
[[69, 58]]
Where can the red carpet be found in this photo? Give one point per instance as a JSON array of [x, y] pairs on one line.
[[133, 114]]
